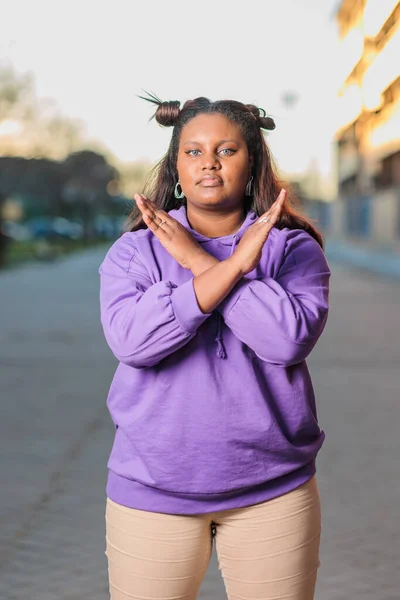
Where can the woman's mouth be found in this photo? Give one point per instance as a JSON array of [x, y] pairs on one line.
[[210, 181]]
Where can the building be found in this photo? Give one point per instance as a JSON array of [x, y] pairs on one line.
[[368, 135]]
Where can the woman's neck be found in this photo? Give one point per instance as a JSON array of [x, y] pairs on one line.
[[215, 223]]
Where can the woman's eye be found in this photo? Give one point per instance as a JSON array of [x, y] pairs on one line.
[[227, 151], [193, 152]]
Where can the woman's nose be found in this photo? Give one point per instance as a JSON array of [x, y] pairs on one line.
[[210, 161]]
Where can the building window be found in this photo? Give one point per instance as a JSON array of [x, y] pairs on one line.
[[389, 175], [348, 187]]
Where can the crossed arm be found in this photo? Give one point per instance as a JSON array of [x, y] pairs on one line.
[[280, 319], [213, 279]]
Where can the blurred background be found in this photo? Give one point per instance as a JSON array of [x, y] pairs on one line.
[[76, 142]]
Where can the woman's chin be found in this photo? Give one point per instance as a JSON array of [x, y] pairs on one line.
[[211, 196]]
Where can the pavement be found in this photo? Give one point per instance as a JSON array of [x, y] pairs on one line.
[[55, 371], [365, 256]]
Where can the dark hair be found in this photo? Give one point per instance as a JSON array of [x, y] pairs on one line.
[[266, 186]]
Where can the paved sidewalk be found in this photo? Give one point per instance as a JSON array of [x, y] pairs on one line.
[[55, 370], [364, 256]]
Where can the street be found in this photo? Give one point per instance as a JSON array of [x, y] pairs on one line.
[[55, 371]]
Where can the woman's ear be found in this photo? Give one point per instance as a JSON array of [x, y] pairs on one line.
[[251, 163]]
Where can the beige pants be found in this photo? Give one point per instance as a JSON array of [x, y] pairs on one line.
[[265, 551]]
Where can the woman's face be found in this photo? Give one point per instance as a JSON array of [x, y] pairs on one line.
[[213, 161]]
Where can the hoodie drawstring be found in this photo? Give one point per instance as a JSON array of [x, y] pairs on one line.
[[221, 352]]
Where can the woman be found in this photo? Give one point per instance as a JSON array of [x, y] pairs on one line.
[[211, 303]]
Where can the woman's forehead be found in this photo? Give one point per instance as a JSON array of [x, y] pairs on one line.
[[213, 125]]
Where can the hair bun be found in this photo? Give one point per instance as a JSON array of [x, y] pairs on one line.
[[167, 113], [259, 114], [267, 123]]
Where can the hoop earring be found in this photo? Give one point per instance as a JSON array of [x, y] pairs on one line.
[[248, 186], [178, 195]]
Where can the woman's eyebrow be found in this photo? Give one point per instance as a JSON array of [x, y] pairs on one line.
[[219, 143]]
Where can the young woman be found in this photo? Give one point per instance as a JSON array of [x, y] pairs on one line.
[[211, 303]]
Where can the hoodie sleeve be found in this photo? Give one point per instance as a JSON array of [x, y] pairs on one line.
[[143, 322], [281, 319]]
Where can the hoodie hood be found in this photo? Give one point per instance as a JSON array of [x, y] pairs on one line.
[[228, 240]]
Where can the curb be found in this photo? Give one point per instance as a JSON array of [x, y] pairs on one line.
[[384, 263]]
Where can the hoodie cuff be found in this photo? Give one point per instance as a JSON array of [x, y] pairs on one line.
[[186, 308], [226, 305]]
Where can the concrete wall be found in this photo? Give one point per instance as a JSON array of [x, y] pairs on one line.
[[374, 219], [386, 217]]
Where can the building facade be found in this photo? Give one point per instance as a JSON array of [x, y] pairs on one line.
[[368, 135]]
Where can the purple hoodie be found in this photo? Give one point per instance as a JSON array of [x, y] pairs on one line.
[[212, 411]]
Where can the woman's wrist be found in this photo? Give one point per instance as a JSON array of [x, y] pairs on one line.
[[235, 266], [201, 262], [214, 284], [204, 261]]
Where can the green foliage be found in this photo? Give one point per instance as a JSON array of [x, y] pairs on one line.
[[16, 93]]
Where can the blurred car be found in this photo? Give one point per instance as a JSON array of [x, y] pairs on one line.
[[104, 227], [108, 227], [16, 231], [54, 228], [67, 229]]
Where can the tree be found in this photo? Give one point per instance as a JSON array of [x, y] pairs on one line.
[[16, 95], [87, 175], [33, 127], [15, 104], [29, 128]]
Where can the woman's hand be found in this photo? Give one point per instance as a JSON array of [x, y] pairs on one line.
[[180, 244], [248, 252]]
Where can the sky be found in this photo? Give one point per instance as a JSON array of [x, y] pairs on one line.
[[95, 58]]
